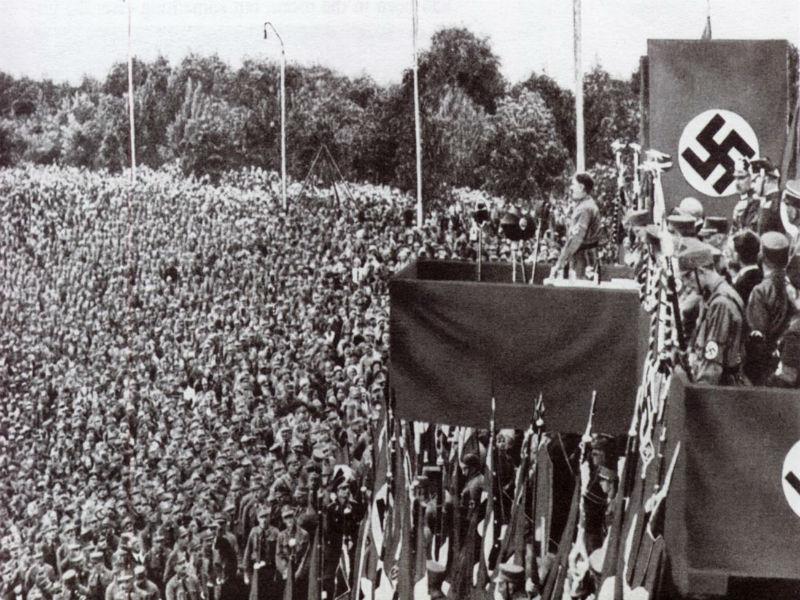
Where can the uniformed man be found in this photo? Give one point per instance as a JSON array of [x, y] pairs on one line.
[[691, 207], [717, 345], [342, 518], [291, 551], [766, 181], [583, 234], [183, 585], [146, 589], [715, 233], [681, 227], [790, 214], [635, 224], [769, 309], [259, 557], [746, 246], [100, 576], [787, 375], [746, 211]]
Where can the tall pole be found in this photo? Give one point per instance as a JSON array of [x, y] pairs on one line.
[[283, 127], [417, 127], [130, 97], [283, 111], [580, 160]]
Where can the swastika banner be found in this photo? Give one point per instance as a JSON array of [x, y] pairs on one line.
[[733, 510], [711, 103]]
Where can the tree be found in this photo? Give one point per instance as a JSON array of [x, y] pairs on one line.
[[527, 157], [458, 58]]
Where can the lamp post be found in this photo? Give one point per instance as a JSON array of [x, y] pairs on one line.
[[130, 96], [267, 26]]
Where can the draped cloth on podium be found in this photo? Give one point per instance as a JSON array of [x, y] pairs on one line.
[[733, 509], [457, 343]]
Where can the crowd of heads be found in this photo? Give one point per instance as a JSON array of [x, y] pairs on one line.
[[171, 348]]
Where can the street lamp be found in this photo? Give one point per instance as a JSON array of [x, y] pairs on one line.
[[283, 110]]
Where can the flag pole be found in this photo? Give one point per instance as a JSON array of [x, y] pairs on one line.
[[283, 110], [130, 97], [417, 127], [580, 160]]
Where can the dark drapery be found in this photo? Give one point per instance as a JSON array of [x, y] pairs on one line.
[[728, 521], [456, 343]]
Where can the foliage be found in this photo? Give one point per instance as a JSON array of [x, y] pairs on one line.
[[207, 117], [526, 157]]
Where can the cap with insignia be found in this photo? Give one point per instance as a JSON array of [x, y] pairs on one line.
[[775, 248], [695, 254], [683, 225], [791, 193]]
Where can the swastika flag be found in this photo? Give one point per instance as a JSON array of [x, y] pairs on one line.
[[710, 104]]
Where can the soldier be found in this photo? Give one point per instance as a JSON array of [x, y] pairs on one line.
[[122, 588], [681, 227], [146, 589], [343, 516], [634, 243], [746, 246], [259, 558], [183, 585], [790, 214], [291, 552], [155, 560], [181, 549], [100, 576], [769, 309], [691, 207], [787, 375], [225, 547], [746, 211], [717, 345], [580, 250], [70, 587], [767, 183]]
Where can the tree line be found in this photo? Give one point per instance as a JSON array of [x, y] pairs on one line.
[[479, 130]]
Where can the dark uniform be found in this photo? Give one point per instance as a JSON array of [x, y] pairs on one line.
[[717, 350], [259, 562], [583, 237], [769, 311]]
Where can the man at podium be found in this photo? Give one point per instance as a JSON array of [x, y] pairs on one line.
[[583, 234]]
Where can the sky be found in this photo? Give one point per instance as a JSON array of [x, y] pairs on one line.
[[66, 39]]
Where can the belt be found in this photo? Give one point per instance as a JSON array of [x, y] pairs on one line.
[[588, 246]]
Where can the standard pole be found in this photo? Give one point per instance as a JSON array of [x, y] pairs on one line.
[[580, 160], [283, 126], [417, 128], [130, 97]]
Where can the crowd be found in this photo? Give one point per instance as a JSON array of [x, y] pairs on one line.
[[189, 376], [740, 294]]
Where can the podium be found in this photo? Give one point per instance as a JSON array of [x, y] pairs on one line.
[[457, 343]]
